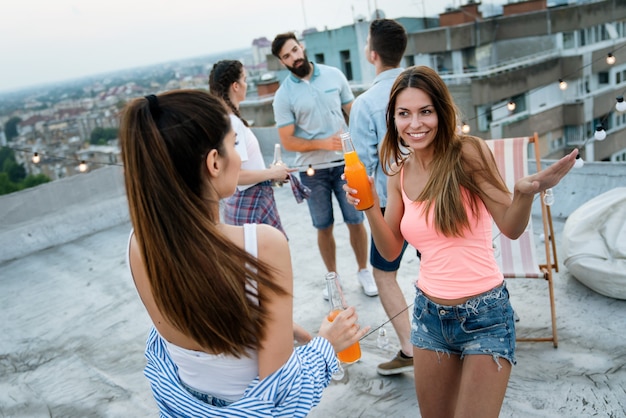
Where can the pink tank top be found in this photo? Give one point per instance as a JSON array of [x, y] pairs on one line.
[[451, 267]]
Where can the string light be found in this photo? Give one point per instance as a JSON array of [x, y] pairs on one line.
[[548, 197], [579, 162], [620, 106], [610, 59], [600, 133], [511, 106]]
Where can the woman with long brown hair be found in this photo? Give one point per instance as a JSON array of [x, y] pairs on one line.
[[443, 192], [219, 296], [253, 201]]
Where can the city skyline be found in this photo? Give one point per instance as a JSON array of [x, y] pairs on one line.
[[59, 41]]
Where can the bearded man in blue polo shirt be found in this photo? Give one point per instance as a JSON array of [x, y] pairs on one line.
[[309, 109]]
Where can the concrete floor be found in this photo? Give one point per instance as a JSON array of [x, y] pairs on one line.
[[73, 332]]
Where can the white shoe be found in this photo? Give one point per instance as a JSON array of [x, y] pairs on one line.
[[367, 282], [325, 293]]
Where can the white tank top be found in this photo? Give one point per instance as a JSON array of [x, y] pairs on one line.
[[220, 375]]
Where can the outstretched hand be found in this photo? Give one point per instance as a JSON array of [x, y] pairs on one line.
[[548, 177]]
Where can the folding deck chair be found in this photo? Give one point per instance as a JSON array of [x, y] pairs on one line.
[[517, 258]]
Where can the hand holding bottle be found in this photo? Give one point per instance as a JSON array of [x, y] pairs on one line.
[[356, 175], [279, 173], [279, 169], [344, 330]]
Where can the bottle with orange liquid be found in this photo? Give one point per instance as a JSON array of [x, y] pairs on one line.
[[356, 174], [338, 304]]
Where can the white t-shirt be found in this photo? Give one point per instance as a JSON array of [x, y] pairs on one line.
[[248, 148]]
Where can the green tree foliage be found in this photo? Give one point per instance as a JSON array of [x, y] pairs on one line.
[[101, 136], [10, 128], [15, 171], [34, 180], [6, 185], [13, 175]]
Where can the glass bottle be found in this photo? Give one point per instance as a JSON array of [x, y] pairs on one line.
[[356, 175], [338, 304], [383, 340], [278, 160]]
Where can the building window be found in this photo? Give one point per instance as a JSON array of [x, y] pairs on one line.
[[603, 77], [569, 40], [484, 118], [619, 156], [319, 58], [346, 64], [557, 144], [582, 34]]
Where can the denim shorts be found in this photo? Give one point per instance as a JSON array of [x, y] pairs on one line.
[[205, 397], [323, 184], [482, 325], [381, 263]]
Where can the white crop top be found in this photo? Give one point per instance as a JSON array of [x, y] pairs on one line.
[[221, 375]]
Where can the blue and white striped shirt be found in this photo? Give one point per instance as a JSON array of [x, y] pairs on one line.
[[291, 391]]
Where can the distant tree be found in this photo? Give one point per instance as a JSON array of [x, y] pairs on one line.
[[34, 180], [10, 128], [100, 136], [6, 185], [15, 171], [6, 153]]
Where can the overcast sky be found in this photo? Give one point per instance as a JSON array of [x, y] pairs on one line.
[[53, 40]]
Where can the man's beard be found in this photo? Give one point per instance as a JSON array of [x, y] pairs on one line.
[[303, 70]]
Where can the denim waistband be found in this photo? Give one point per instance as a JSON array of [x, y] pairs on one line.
[[471, 304]]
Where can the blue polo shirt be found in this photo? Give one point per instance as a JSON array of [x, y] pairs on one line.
[[368, 126], [314, 107]]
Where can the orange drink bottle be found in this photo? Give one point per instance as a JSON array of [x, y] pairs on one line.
[[356, 174], [337, 304]]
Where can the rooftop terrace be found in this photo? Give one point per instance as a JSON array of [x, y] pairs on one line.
[[74, 329]]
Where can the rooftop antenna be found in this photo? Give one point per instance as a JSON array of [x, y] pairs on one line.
[[306, 26]]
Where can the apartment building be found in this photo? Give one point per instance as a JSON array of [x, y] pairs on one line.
[[506, 71], [557, 71]]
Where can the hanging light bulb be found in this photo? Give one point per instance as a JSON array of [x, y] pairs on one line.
[[36, 158], [579, 162], [620, 106], [610, 59], [465, 128], [600, 133], [548, 197], [82, 167], [511, 106], [310, 171], [562, 84]]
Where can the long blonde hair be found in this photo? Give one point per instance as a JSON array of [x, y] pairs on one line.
[[197, 275], [450, 169]]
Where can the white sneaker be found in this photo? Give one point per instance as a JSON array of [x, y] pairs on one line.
[[367, 282], [325, 293]]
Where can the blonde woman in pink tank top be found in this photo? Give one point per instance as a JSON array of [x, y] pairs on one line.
[[443, 202]]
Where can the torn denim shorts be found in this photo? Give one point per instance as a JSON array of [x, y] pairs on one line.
[[482, 325]]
